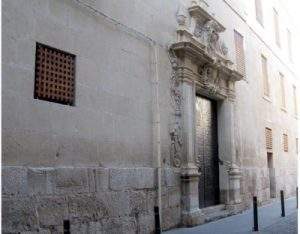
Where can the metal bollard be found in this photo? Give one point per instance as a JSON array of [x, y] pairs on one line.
[[297, 197], [67, 227], [157, 221], [282, 203], [255, 215]]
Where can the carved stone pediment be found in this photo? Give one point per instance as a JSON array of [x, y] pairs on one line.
[[199, 40]]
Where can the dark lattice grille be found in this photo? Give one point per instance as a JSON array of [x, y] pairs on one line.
[[269, 138], [54, 75], [285, 143]]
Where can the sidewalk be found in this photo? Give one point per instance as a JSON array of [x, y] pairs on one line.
[[269, 221]]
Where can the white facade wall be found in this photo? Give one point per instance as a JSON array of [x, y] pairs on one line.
[[60, 162]]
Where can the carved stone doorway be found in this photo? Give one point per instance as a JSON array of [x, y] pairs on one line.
[[207, 152]]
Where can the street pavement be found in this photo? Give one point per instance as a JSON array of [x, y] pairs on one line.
[[269, 221]]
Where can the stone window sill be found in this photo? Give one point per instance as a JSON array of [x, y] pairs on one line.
[[283, 109], [267, 98]]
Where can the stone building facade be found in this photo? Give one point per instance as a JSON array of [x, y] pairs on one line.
[[188, 105]]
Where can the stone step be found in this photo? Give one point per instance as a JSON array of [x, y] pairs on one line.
[[213, 209], [217, 215]]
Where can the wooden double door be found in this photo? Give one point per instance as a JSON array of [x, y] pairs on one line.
[[207, 151]]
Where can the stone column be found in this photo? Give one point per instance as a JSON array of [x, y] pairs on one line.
[[191, 214], [228, 154]]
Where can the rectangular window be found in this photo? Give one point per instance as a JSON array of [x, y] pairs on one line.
[[264, 67], [239, 52], [282, 91], [269, 138], [276, 27], [297, 149], [295, 100], [289, 41], [54, 75], [285, 143], [258, 11]]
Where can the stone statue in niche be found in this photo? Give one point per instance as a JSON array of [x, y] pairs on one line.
[[176, 144]]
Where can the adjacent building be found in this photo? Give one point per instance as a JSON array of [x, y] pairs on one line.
[[112, 108]]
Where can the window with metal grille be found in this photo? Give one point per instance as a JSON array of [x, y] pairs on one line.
[[276, 27], [282, 91], [258, 11], [264, 67], [289, 41], [295, 100], [239, 52], [54, 75], [269, 138], [285, 143]]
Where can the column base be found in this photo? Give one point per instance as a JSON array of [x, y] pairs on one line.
[[193, 218]]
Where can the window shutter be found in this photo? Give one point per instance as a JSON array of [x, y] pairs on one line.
[[239, 52], [285, 143], [269, 138]]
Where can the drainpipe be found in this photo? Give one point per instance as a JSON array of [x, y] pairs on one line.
[[157, 129]]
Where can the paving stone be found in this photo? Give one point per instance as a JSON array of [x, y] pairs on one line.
[[269, 221]]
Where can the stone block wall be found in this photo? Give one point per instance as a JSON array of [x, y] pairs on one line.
[[93, 199]]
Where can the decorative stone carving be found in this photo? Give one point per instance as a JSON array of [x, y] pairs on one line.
[[176, 99], [204, 69], [176, 95], [208, 34], [176, 144], [210, 79], [182, 16]]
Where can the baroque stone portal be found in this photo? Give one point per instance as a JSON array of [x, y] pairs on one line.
[[201, 67]]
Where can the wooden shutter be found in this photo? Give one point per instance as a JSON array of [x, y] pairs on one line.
[[285, 143], [259, 12], [54, 75], [264, 65], [239, 52], [269, 138]]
